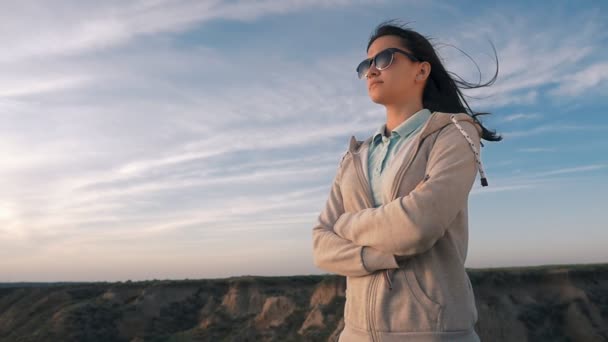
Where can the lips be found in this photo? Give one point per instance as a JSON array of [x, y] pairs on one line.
[[374, 83]]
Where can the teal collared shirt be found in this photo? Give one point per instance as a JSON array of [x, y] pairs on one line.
[[383, 148]]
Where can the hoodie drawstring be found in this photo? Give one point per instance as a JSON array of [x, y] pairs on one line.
[[484, 180]]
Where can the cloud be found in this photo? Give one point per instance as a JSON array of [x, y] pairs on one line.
[[531, 57], [35, 86], [115, 156], [554, 127], [524, 180], [64, 29], [537, 149], [591, 77], [120, 124], [576, 169], [521, 117], [492, 189]]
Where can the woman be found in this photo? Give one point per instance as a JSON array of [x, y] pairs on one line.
[[396, 220]]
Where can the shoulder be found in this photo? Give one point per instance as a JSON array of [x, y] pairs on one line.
[[460, 139], [346, 155], [461, 128]]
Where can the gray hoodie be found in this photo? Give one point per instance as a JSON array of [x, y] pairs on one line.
[[404, 261]]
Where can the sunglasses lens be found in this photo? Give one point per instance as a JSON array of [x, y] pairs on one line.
[[362, 68], [384, 59]]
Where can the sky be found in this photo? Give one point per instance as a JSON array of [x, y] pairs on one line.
[[198, 139]]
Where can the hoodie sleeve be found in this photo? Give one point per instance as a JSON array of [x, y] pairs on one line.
[[338, 255], [412, 224]]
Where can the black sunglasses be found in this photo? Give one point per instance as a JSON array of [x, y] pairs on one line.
[[382, 60]]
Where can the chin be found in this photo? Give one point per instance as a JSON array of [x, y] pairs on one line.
[[377, 98]]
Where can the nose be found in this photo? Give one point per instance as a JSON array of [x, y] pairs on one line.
[[372, 69]]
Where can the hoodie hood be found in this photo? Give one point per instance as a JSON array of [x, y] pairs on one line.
[[435, 122]]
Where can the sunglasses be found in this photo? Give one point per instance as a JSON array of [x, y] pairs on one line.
[[382, 60]]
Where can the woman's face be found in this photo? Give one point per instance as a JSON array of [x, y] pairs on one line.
[[396, 84]]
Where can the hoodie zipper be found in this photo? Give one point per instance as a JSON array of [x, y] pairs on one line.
[[403, 167], [371, 289], [365, 185], [363, 181]]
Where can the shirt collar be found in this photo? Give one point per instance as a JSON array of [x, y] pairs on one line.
[[405, 128]]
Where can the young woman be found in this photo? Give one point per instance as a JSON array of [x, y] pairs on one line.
[[396, 220]]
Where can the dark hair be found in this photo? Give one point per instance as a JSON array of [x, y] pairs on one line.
[[442, 91]]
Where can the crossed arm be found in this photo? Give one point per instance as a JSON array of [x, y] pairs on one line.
[[337, 254], [413, 223], [360, 243]]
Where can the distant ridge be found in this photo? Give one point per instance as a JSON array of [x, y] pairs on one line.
[[531, 303]]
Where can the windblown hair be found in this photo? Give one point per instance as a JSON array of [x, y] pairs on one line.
[[442, 91]]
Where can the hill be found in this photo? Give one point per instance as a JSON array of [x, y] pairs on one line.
[[546, 303]]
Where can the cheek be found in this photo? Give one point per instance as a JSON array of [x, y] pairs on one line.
[[398, 85]]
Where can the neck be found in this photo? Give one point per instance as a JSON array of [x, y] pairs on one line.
[[396, 114]]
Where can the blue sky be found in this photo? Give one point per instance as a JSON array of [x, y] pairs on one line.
[[198, 139]]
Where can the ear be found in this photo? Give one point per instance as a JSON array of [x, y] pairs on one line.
[[424, 70]]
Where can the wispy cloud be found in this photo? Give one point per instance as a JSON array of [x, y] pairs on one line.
[[593, 76], [104, 181], [576, 169], [36, 86], [64, 29], [494, 188], [537, 149], [531, 58], [520, 117], [533, 179], [554, 127], [128, 123]]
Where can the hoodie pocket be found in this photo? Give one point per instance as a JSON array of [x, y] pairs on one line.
[[407, 308], [412, 279]]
